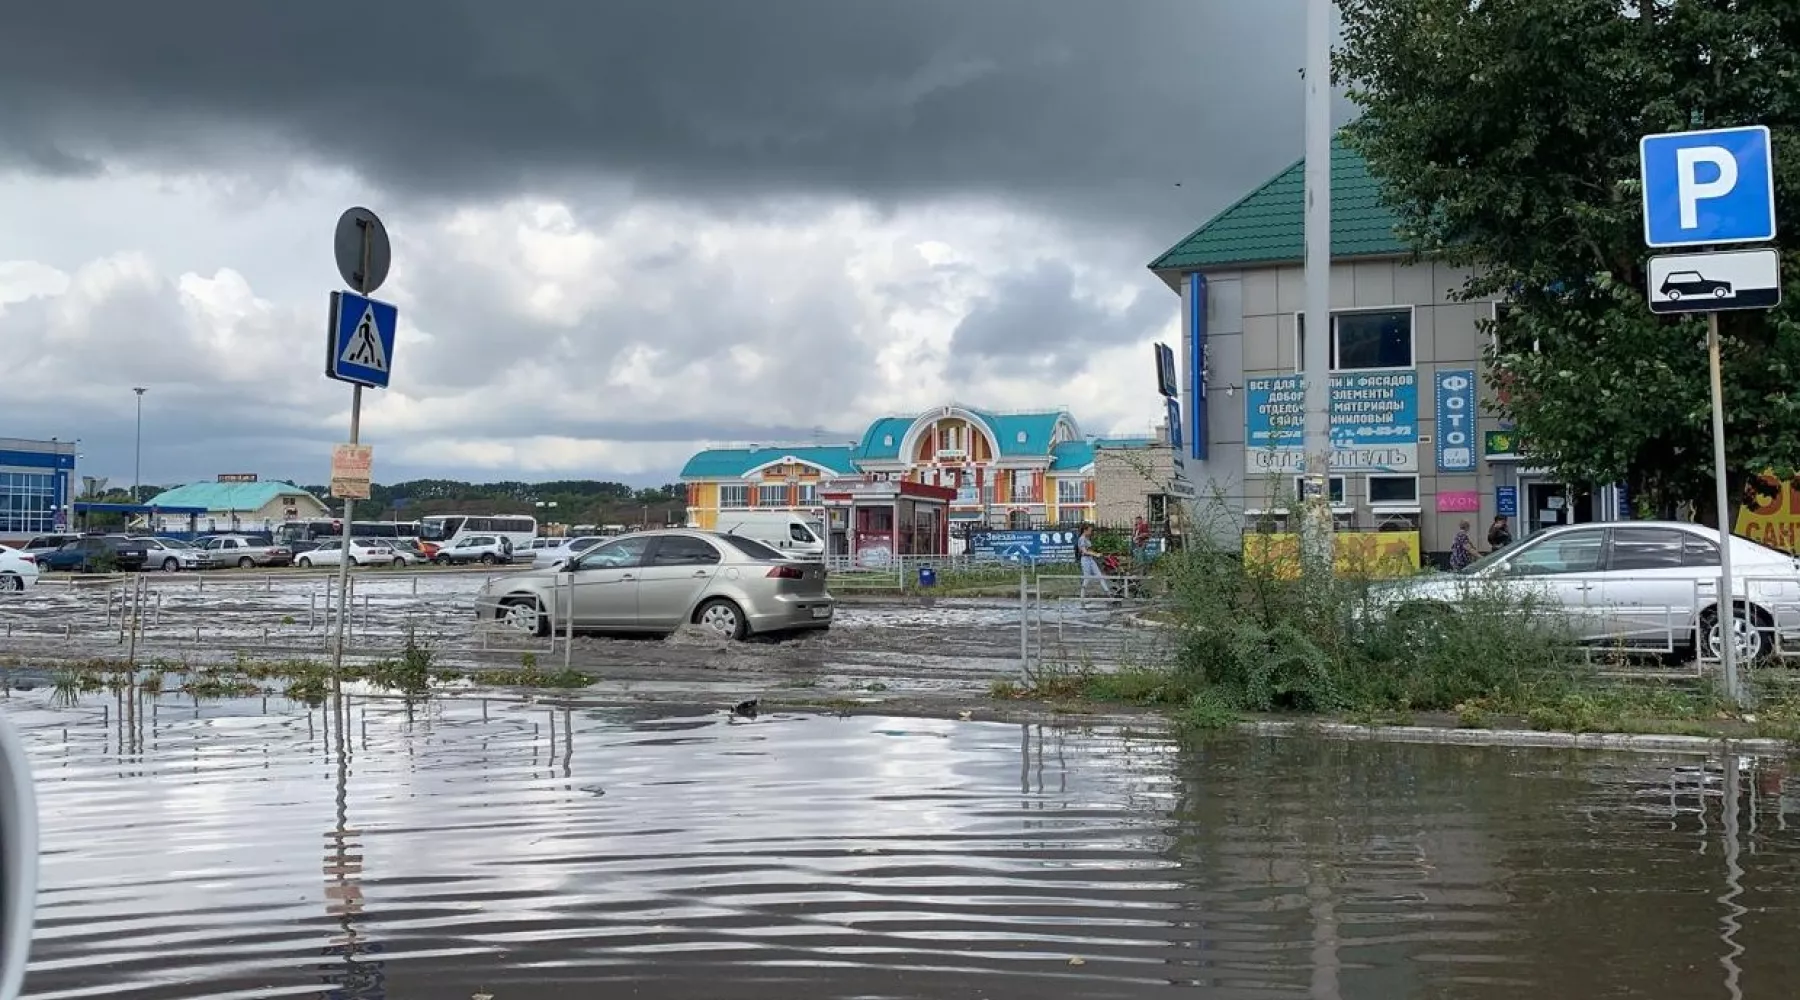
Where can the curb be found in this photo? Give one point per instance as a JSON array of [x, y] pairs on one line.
[[1635, 742]]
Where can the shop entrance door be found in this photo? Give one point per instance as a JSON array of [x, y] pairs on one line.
[[1546, 506]]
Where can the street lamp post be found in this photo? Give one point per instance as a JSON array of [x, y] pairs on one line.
[[137, 462]]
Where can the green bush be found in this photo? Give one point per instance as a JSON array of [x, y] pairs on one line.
[[1326, 642]]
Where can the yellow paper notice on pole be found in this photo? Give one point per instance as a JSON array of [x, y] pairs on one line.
[[350, 467]]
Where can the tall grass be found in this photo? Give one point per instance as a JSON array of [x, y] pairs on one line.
[[1263, 640]]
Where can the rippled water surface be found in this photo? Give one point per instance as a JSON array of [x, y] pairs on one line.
[[243, 849]]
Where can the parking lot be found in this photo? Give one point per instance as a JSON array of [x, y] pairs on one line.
[[891, 644]]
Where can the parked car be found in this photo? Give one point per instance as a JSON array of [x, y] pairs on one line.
[[18, 569], [244, 551], [1633, 584], [660, 580], [408, 550], [486, 549], [171, 555], [46, 543], [96, 554], [363, 552], [546, 556]]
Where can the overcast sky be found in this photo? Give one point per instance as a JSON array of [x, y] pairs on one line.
[[622, 230]]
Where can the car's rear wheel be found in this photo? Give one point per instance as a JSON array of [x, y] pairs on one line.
[[246, 563], [723, 618], [487, 558], [1749, 630], [11, 582], [524, 614]]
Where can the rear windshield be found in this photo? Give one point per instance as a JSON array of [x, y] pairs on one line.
[[751, 547]]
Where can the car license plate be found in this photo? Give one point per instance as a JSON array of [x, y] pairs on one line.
[[821, 612]]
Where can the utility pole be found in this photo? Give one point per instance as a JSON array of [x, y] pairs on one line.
[[137, 462], [1317, 545]]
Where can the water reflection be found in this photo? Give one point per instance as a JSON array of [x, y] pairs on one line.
[[534, 851]]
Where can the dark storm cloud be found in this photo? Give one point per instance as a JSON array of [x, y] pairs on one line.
[[1038, 315], [1096, 107]]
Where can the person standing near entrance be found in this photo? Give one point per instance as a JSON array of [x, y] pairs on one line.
[[1499, 535], [1140, 540]]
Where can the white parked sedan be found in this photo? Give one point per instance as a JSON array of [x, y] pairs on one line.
[[363, 552], [1647, 585], [18, 571]]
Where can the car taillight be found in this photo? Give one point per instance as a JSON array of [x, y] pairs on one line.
[[29, 559], [786, 573]]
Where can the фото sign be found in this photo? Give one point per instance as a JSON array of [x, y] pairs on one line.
[[1456, 420], [1374, 423]]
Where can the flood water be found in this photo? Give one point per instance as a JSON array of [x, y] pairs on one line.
[[241, 849]]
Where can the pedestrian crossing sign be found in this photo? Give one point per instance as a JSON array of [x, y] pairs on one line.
[[361, 346]]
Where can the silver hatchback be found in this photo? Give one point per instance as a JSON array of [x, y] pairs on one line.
[[658, 581]]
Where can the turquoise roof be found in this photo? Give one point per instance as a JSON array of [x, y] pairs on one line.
[[735, 463], [1071, 456], [875, 441], [1128, 442], [225, 496], [1038, 429]]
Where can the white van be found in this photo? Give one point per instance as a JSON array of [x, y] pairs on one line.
[[794, 536]]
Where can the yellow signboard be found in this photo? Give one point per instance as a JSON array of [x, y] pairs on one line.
[[1359, 553], [1770, 513]]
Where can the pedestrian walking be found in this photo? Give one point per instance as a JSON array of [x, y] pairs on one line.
[[1499, 533], [1462, 549], [1090, 564]]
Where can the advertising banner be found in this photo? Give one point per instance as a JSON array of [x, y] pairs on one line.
[[1374, 423], [1456, 420]]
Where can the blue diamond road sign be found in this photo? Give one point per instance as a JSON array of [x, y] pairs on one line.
[[1709, 186], [360, 347]]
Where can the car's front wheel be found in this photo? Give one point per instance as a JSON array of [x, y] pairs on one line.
[[525, 615], [171, 564], [305, 563]]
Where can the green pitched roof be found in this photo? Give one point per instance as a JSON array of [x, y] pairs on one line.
[[225, 496], [1268, 225], [734, 463], [881, 442]]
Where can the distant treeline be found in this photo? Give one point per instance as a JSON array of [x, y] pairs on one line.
[[568, 501]]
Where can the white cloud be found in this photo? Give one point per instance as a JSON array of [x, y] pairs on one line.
[[540, 338]]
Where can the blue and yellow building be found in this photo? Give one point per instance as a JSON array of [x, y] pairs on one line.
[[1008, 469]]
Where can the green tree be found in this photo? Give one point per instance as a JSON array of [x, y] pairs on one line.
[[1506, 132]]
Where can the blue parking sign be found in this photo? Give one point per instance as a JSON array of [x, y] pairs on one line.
[[1708, 186]]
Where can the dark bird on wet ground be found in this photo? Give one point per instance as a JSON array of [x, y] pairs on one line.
[[745, 709]]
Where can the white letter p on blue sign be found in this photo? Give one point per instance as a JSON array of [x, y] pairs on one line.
[[1708, 187]]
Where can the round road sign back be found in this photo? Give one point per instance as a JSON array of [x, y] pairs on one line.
[[348, 245]]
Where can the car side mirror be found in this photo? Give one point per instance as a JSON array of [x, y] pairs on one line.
[[18, 861]]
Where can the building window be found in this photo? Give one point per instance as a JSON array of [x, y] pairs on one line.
[[809, 493], [1334, 489], [734, 496], [771, 496], [1397, 490], [1023, 487], [27, 502], [1362, 339], [950, 439], [1070, 491]]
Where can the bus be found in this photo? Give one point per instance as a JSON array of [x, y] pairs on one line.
[[440, 530], [294, 532]]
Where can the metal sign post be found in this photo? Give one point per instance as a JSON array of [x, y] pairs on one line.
[[359, 350], [1316, 542], [1701, 188]]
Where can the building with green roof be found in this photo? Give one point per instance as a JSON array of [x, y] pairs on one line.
[[234, 505], [1020, 469], [1408, 424]]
